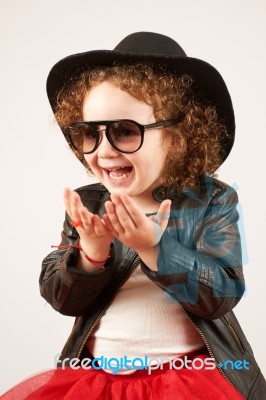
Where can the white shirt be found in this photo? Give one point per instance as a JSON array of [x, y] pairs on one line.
[[143, 320]]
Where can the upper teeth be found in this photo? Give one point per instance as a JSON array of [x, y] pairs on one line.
[[114, 169]]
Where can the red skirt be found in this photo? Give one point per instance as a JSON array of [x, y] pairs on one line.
[[160, 384]]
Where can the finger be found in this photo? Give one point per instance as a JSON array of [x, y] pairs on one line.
[[109, 225], [107, 222], [75, 206], [99, 228], [86, 219], [67, 201], [111, 212], [123, 215], [135, 213]]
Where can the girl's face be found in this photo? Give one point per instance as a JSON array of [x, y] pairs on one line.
[[136, 174]]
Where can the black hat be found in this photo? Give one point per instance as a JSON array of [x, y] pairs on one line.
[[165, 55]]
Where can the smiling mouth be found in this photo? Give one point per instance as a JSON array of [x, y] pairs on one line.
[[119, 173]]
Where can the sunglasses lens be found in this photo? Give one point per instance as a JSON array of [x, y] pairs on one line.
[[83, 137], [125, 135]]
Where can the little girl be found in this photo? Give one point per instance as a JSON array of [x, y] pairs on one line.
[[150, 257]]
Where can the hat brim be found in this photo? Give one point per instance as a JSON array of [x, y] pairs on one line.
[[207, 81]]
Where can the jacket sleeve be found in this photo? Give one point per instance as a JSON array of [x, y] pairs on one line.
[[69, 290], [199, 261]]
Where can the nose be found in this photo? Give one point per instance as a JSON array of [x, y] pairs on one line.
[[105, 149]]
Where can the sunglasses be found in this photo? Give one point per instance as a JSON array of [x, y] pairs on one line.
[[125, 135]]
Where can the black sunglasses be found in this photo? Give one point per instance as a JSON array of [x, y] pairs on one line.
[[125, 135]]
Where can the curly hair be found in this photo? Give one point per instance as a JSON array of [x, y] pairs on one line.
[[195, 144]]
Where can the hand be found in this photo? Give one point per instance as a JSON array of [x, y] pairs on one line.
[[95, 238], [127, 222]]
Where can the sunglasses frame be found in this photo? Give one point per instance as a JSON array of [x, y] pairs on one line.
[[108, 124]]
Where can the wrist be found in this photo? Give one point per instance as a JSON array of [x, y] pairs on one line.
[[149, 257], [97, 252], [87, 262]]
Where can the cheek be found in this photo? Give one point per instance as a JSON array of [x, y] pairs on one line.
[[151, 160], [89, 162], [166, 149], [88, 159], [166, 142]]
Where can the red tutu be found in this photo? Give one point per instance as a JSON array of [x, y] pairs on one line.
[[166, 384]]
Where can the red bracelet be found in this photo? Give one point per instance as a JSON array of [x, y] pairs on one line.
[[93, 262]]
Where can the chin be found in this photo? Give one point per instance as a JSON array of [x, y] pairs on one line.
[[120, 191]]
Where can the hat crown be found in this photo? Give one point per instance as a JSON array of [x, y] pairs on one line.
[[150, 43]]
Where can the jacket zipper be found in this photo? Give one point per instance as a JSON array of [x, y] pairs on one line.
[[209, 349], [238, 341], [132, 267]]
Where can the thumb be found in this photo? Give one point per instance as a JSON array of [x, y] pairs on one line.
[[163, 213]]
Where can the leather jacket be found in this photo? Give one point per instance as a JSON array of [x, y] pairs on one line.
[[199, 265]]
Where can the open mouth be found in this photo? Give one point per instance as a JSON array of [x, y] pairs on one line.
[[119, 174]]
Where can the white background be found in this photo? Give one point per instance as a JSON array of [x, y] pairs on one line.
[[36, 164]]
